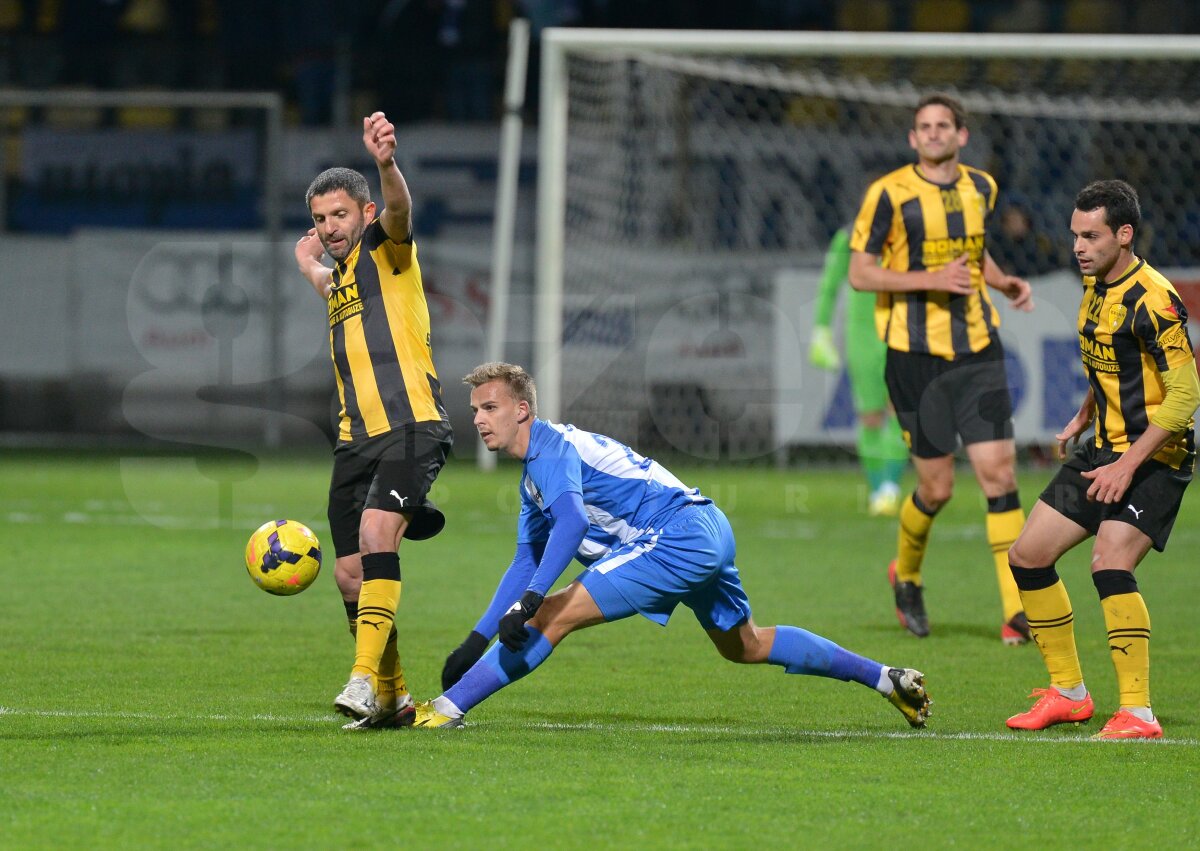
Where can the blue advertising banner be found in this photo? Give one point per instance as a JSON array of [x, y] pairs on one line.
[[121, 178]]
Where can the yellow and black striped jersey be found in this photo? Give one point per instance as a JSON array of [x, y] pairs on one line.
[[379, 339], [913, 224], [1130, 332]]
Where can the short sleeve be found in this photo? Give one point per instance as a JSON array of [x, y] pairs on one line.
[[396, 254], [874, 222], [993, 191], [557, 469]]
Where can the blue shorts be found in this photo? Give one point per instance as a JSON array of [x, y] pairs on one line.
[[689, 561]]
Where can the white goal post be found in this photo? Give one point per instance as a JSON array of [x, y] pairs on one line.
[[645, 134]]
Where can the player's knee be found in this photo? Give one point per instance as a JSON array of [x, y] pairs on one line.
[[999, 483], [1025, 554], [997, 475], [347, 573], [379, 531], [750, 648], [1108, 554], [934, 494], [734, 653], [1016, 555]]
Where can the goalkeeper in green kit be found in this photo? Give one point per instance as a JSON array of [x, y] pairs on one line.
[[881, 449]]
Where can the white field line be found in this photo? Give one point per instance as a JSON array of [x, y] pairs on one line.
[[704, 729]]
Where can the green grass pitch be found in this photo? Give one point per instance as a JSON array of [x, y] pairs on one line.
[[152, 697]]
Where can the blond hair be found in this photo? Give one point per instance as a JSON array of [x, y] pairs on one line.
[[520, 383]]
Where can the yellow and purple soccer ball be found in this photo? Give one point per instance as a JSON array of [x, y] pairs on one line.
[[283, 557]]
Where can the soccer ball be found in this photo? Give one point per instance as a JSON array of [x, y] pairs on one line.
[[283, 557]]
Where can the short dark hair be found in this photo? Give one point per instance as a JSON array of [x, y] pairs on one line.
[[1118, 198], [333, 179], [951, 103]]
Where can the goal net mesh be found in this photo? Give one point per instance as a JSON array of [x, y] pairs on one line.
[[692, 179]]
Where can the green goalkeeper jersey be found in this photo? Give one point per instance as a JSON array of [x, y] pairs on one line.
[[860, 309]]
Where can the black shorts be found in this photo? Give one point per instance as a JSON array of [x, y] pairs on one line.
[[1150, 505], [938, 400], [393, 472]]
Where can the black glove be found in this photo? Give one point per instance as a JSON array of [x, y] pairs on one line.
[[513, 633], [463, 657]]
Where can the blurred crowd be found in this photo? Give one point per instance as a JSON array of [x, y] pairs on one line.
[[441, 59]]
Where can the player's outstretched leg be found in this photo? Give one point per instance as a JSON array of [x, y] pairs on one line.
[[799, 651]]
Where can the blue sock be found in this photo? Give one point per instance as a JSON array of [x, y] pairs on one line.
[[801, 652], [499, 667]]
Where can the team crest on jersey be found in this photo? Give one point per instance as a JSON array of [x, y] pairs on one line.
[[1116, 315]]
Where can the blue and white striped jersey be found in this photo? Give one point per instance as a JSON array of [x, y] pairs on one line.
[[624, 494]]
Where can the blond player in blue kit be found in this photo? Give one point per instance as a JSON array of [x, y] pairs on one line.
[[648, 543]]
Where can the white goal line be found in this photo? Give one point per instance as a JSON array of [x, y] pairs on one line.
[[702, 729]]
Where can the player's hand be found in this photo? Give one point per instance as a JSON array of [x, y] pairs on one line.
[[309, 249], [463, 657], [821, 351], [1072, 430], [1109, 482], [1018, 292], [379, 137], [513, 633], [954, 277]]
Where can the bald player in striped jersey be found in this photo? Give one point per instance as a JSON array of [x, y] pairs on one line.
[[919, 243], [1125, 486], [393, 432]]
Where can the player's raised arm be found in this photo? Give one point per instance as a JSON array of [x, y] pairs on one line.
[[308, 257], [379, 138]]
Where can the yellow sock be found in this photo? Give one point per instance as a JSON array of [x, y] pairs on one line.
[[1128, 624], [1003, 527], [391, 685], [914, 534], [1052, 623], [377, 602]]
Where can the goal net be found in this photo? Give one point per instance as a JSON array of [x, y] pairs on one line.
[[690, 183]]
